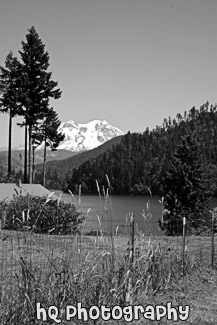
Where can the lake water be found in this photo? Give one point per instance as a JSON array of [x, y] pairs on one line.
[[116, 212]]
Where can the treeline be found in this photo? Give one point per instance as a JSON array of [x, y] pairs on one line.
[[139, 162]]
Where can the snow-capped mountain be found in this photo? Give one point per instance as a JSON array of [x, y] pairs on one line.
[[79, 137]]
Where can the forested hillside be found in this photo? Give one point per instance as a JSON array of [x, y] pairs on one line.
[[74, 161], [140, 161]]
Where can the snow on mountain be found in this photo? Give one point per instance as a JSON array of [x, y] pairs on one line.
[[79, 137]]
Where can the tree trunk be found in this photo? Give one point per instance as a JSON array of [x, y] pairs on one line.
[[33, 164], [44, 164], [25, 153], [9, 143], [30, 155]]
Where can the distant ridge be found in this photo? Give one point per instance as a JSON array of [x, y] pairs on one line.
[[18, 157], [65, 165]]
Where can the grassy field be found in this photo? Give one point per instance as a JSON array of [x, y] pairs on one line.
[[39, 249], [96, 270]]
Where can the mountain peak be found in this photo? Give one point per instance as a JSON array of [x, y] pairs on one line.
[[69, 123], [81, 137]]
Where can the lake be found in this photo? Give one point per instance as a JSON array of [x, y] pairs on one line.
[[117, 211]]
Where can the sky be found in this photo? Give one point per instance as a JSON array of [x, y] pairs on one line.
[[130, 62]]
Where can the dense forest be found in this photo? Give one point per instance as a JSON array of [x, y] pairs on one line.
[[139, 162]]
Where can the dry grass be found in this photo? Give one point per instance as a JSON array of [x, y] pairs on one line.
[[97, 270], [40, 249], [57, 270], [199, 291]]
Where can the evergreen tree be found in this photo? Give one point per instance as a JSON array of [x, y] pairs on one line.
[[9, 90], [37, 86], [47, 133], [184, 190]]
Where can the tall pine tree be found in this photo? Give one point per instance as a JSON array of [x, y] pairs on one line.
[[185, 190], [48, 134], [9, 90], [37, 87]]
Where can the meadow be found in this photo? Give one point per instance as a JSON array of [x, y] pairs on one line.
[[101, 266], [98, 270]]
